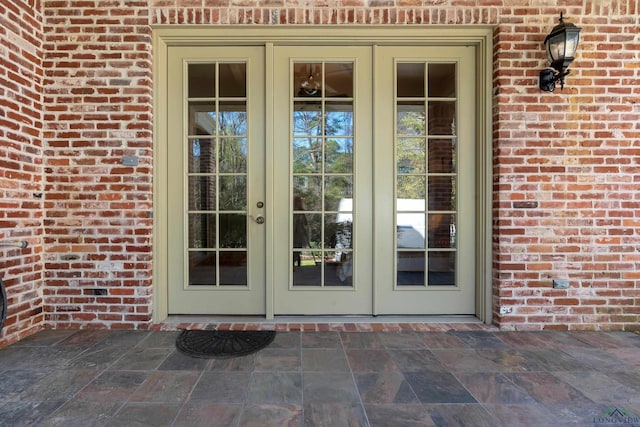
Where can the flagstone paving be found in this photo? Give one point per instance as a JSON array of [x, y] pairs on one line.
[[329, 378]]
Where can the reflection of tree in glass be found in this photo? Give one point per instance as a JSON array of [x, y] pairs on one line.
[[323, 152], [233, 155], [339, 152], [411, 123], [233, 231], [339, 122], [232, 122], [411, 187], [337, 188], [409, 155], [309, 188], [339, 155], [233, 193], [308, 150]]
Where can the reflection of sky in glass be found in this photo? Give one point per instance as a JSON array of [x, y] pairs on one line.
[[306, 123], [344, 145], [196, 148], [339, 123]]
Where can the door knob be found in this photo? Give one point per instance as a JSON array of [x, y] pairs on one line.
[[260, 220]]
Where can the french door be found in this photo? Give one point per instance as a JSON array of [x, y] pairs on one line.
[[216, 237], [425, 175], [340, 181], [323, 142]]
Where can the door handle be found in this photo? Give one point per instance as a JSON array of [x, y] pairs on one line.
[[259, 219]]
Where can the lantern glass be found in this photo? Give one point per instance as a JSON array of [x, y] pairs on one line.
[[573, 36], [556, 47]]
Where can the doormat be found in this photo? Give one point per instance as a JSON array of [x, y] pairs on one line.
[[223, 344]]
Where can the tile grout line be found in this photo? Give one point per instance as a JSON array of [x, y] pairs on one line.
[[355, 383]]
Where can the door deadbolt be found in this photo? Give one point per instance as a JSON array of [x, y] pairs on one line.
[[260, 204]]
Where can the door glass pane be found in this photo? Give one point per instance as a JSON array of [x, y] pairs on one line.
[[442, 156], [411, 118], [307, 118], [442, 231], [322, 147], [307, 193], [410, 80], [337, 190], [426, 175], [411, 155], [202, 118], [202, 268], [410, 193], [233, 231], [233, 155], [442, 267], [339, 79], [307, 269], [233, 79], [233, 268], [411, 230], [306, 154], [338, 154], [337, 267], [232, 118], [410, 268], [202, 155], [442, 118], [233, 193], [202, 231], [202, 193], [339, 119], [307, 79], [442, 196], [442, 80], [338, 231], [217, 174], [202, 80]]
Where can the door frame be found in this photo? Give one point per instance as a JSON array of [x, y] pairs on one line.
[[480, 36]]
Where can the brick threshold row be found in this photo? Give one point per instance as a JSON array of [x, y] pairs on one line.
[[325, 327]]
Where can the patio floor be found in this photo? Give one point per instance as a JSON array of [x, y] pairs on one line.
[[329, 378]]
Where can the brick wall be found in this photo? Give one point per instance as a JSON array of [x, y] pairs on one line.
[[97, 220], [566, 183], [21, 165], [566, 203]]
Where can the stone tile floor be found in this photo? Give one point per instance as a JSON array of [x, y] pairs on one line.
[[331, 378]]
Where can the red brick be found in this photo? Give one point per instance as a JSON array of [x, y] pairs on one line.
[[571, 151]]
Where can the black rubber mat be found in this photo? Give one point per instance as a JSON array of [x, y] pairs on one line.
[[223, 344]]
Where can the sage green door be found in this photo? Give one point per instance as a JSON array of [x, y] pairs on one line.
[[323, 193], [337, 180], [216, 237], [424, 180]]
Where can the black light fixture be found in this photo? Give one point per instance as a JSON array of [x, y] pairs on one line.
[[561, 45]]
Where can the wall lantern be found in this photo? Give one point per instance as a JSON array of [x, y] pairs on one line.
[[561, 45]]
